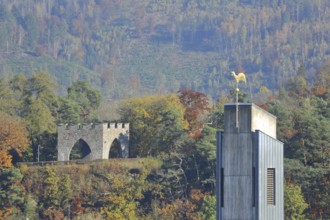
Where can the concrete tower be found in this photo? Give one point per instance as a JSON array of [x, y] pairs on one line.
[[249, 166]]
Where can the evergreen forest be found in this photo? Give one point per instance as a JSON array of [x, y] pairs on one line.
[[164, 67]]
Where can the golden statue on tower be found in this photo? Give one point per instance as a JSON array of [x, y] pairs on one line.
[[239, 77]]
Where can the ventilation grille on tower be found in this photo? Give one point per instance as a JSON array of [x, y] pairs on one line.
[[271, 186]]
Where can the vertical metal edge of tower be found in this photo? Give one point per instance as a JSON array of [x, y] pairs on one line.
[[218, 174], [255, 148]]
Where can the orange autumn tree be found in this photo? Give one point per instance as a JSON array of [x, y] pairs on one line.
[[196, 106], [13, 137]]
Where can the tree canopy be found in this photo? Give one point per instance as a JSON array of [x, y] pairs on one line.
[[156, 123], [160, 47], [13, 139]]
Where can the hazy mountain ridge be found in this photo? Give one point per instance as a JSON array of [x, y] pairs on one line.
[[145, 47]]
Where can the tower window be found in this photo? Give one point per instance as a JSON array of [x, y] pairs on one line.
[[271, 186]]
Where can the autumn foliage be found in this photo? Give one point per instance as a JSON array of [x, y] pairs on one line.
[[196, 104], [13, 137], [183, 208]]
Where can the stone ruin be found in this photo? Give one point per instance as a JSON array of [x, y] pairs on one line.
[[98, 138]]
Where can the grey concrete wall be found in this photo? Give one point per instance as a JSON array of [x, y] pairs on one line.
[[263, 121], [237, 164], [269, 155], [99, 138], [244, 118], [244, 156], [250, 118]]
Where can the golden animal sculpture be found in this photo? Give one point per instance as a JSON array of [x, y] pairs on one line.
[[239, 77]]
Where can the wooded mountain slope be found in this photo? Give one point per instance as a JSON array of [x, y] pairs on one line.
[[177, 129], [128, 48]]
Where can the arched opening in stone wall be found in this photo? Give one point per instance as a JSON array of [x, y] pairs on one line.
[[115, 149], [80, 150]]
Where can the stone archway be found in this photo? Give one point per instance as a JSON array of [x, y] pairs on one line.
[[115, 149], [98, 137], [80, 150]]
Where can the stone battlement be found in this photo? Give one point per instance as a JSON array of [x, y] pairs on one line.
[[86, 126]]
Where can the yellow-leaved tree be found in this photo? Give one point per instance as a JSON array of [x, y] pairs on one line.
[[124, 190], [156, 122], [13, 139]]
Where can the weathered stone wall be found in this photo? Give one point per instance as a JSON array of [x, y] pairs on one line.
[[110, 133], [99, 138]]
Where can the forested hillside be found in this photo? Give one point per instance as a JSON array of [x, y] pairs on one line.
[[129, 48], [173, 134], [165, 67]]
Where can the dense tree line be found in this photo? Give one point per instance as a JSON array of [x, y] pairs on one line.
[[158, 46], [304, 127], [32, 109], [176, 129], [163, 126]]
